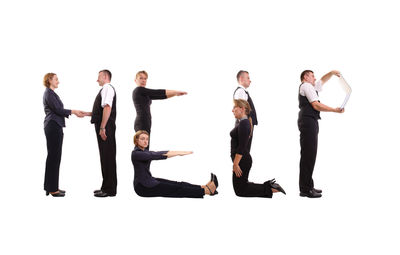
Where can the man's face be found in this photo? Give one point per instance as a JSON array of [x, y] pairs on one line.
[[310, 78], [244, 80], [141, 80], [101, 79]]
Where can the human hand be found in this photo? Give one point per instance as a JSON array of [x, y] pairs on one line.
[[102, 133], [339, 110], [181, 93], [183, 153], [237, 170], [87, 114], [335, 72], [78, 113]]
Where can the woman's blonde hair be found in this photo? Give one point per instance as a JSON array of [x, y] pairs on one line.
[[137, 135], [47, 78], [244, 104]]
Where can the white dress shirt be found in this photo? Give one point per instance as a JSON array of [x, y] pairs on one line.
[[107, 95], [241, 93], [310, 91]]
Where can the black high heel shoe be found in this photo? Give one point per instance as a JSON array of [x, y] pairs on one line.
[[61, 191], [215, 191], [276, 186], [58, 194], [214, 179]]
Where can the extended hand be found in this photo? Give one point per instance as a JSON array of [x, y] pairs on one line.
[[237, 170], [103, 134], [87, 113], [181, 93], [183, 153], [78, 113], [335, 72], [339, 110]]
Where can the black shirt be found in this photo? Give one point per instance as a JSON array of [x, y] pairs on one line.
[[54, 108], [142, 98], [240, 136], [141, 160]]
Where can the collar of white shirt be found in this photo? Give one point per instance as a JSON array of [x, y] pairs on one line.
[[240, 86]]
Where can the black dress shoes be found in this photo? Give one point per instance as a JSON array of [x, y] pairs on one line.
[[317, 190], [97, 191], [103, 194], [58, 194], [311, 194]]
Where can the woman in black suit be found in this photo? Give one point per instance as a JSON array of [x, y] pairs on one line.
[[142, 99], [147, 186], [241, 158], [53, 125]]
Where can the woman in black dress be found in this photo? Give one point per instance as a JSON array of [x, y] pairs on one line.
[[241, 158], [53, 129], [147, 186], [142, 98]]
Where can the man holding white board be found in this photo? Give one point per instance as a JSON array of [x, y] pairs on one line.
[[310, 108]]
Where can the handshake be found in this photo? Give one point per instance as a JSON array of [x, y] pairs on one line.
[[81, 114]]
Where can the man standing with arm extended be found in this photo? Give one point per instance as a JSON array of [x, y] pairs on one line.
[[241, 92], [310, 108], [103, 117]]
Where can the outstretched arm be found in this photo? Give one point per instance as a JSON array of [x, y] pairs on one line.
[[327, 76], [324, 108], [172, 93], [171, 154]]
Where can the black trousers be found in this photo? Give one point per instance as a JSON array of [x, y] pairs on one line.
[[167, 188], [54, 137], [309, 129], [108, 153], [242, 186]]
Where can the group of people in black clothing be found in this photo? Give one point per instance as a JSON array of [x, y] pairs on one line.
[[103, 116]]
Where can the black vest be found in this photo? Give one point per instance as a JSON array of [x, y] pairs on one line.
[[253, 113], [97, 111], [306, 108]]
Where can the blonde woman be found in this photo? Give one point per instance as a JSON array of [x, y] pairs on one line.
[[53, 129], [241, 158]]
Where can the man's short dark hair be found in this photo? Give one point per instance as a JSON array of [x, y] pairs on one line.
[[304, 73], [240, 74], [107, 72]]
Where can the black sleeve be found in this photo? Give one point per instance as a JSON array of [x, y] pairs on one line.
[[148, 155], [244, 135], [154, 93]]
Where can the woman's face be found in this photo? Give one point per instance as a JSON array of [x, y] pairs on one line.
[[143, 141], [54, 82], [238, 112]]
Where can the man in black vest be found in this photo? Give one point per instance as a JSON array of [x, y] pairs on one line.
[[103, 117], [310, 108], [241, 92]]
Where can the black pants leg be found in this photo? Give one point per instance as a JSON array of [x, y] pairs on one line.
[[244, 188], [309, 129], [167, 188], [108, 153], [54, 137]]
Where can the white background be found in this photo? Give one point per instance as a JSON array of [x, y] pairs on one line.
[[198, 47]]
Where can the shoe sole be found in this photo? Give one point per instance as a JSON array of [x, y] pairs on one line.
[[303, 195]]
